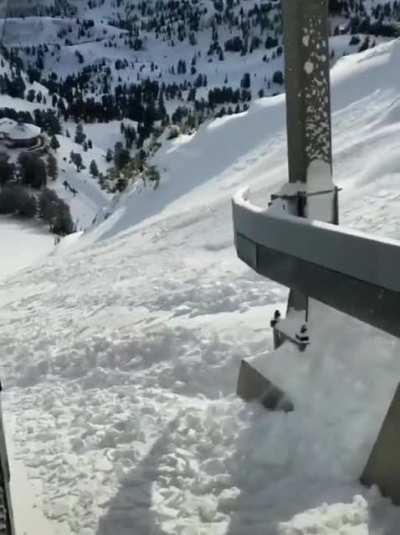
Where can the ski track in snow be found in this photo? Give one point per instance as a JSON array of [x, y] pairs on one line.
[[120, 355]]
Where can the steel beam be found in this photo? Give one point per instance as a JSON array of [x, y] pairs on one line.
[[310, 192], [308, 111], [356, 274], [383, 466]]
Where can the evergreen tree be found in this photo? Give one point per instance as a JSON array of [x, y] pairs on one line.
[[80, 136], [56, 212], [54, 143], [76, 159], [7, 170], [94, 170], [32, 169], [121, 156], [52, 167], [14, 199], [109, 156], [27, 204], [278, 78]]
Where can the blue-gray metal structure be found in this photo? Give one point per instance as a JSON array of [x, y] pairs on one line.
[[309, 191], [355, 273], [305, 26]]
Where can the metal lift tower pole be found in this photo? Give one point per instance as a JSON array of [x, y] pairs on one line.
[[307, 90], [310, 191], [355, 273]]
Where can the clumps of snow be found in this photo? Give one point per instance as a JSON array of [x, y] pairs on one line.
[[120, 356], [327, 519], [309, 67]]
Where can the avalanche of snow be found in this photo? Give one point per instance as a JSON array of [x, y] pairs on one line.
[[120, 353], [14, 236]]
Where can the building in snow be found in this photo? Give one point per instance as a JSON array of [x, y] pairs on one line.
[[19, 135]]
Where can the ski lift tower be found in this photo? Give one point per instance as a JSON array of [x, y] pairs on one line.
[[297, 240], [310, 191]]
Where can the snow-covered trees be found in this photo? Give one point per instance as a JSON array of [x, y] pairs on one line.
[[52, 166], [7, 169], [121, 156], [55, 212], [33, 170], [109, 156], [14, 199], [80, 136], [278, 78], [54, 143], [94, 170], [76, 159]]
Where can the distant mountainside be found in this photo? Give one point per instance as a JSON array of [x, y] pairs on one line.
[[22, 8], [156, 66]]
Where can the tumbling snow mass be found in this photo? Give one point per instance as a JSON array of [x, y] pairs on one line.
[[122, 342]]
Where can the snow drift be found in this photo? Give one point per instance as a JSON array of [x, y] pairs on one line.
[[121, 356]]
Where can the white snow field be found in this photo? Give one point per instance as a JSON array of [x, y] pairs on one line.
[[22, 244], [120, 353]]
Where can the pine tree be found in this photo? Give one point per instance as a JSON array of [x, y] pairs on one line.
[[109, 156], [54, 144], [79, 134], [52, 167], [7, 170], [32, 169], [76, 159], [94, 170], [121, 156]]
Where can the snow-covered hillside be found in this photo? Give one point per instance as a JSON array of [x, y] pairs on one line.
[[130, 69], [190, 49], [121, 352]]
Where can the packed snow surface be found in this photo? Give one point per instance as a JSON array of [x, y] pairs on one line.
[[21, 245], [121, 352]]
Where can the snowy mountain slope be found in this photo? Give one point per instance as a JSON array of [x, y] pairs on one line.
[[232, 151], [16, 103], [159, 62], [149, 41], [89, 201], [51, 31], [121, 356]]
